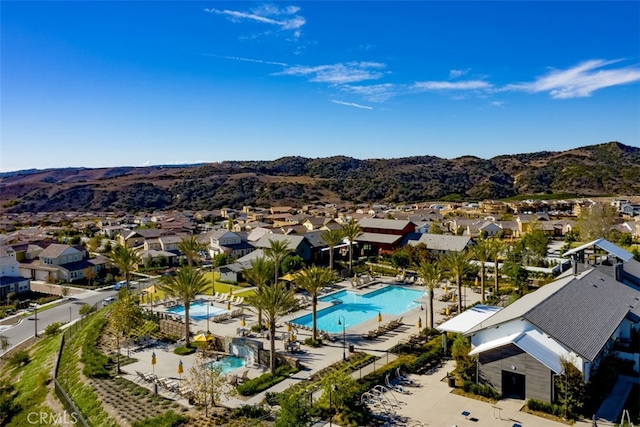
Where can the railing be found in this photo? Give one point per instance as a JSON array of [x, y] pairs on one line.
[[67, 401]]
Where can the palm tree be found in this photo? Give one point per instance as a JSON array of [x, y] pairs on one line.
[[313, 280], [431, 275], [351, 231], [259, 275], [496, 247], [481, 252], [277, 250], [190, 247], [456, 263], [332, 238], [274, 302], [186, 285], [127, 261]]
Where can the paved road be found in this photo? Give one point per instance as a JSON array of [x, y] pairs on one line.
[[65, 312]]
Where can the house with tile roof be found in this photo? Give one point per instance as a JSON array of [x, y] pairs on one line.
[[380, 236], [580, 318]]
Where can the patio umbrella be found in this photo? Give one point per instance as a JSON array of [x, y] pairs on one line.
[[153, 362], [419, 322], [151, 289], [228, 305], [289, 327], [180, 369], [203, 337], [242, 322], [230, 292], [379, 317]]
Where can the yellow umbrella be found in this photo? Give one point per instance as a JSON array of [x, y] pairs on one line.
[[180, 369], [242, 322], [292, 337], [266, 324], [230, 292], [228, 305], [476, 283], [288, 327], [153, 362], [203, 337], [419, 322], [379, 317]]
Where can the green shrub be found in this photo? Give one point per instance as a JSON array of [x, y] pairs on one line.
[[249, 411], [168, 419], [95, 362], [264, 381], [183, 350], [52, 329], [20, 358], [481, 390], [546, 407], [313, 343], [272, 398]]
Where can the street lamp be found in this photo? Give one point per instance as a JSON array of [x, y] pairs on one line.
[[35, 311], [210, 303], [341, 321]]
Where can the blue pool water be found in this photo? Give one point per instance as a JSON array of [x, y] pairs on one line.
[[228, 363], [197, 310], [355, 308]]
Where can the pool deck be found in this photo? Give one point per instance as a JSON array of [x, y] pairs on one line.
[[433, 392]]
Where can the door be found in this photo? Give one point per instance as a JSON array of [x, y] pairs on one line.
[[513, 385]]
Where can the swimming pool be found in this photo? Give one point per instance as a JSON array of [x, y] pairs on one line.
[[227, 363], [197, 310], [356, 308]]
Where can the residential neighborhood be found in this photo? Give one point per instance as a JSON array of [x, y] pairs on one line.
[[554, 310]]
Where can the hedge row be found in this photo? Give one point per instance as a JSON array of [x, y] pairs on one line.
[[481, 390], [547, 408], [264, 381], [94, 361]]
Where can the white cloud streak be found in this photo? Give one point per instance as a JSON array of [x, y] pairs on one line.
[[374, 93], [352, 104], [454, 74], [239, 58], [580, 81], [286, 17], [446, 85], [337, 73]]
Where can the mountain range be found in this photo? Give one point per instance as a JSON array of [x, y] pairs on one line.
[[605, 169]]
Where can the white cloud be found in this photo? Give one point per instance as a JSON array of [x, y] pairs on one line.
[[581, 80], [351, 104], [445, 85], [499, 104], [284, 18], [373, 93], [454, 74], [337, 73], [239, 58]]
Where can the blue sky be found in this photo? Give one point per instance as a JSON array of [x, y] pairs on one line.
[[98, 84]]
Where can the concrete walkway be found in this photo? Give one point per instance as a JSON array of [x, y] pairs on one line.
[[613, 405]]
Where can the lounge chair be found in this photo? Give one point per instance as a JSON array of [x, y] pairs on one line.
[[397, 388], [404, 379], [244, 377], [371, 335]]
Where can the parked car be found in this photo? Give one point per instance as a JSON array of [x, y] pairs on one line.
[[120, 285], [108, 301]]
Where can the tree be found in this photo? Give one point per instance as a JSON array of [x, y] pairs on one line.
[[495, 248], [536, 242], [86, 309], [291, 262], [400, 259], [434, 228], [482, 253], [186, 285], [191, 248], [570, 387], [126, 260], [351, 231], [295, 410], [332, 238], [207, 383], [276, 251], [93, 244], [313, 280], [64, 290], [596, 221], [125, 316], [274, 301], [90, 274], [431, 275], [465, 364], [456, 264], [517, 273], [259, 275]]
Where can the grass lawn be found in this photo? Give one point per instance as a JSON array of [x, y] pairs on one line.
[[215, 286], [33, 381]]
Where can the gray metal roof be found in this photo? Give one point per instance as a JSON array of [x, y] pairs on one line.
[[585, 313], [444, 242], [388, 239], [581, 312], [605, 245], [387, 224]]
